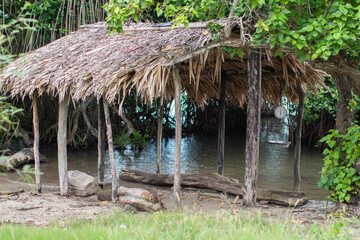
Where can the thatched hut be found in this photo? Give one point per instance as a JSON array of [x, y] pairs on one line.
[[158, 62]]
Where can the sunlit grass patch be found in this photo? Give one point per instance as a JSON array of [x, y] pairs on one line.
[[179, 225]]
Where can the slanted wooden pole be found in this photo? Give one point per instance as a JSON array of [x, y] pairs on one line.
[[159, 138], [252, 127], [298, 133], [36, 143], [221, 128], [111, 152], [177, 163], [62, 146], [101, 140]]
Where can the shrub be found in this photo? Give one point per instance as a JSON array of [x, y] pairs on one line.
[[339, 172]]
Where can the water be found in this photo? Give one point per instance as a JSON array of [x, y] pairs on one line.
[[199, 155]]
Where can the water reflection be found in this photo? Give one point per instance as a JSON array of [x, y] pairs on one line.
[[199, 155]]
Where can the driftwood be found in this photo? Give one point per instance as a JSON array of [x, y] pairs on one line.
[[141, 204], [216, 182], [141, 199], [139, 193], [19, 159], [82, 184]]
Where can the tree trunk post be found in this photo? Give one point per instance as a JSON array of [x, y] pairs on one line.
[[221, 127], [253, 127], [36, 143], [111, 152], [177, 163], [62, 146], [298, 133], [159, 138], [345, 112], [101, 140]]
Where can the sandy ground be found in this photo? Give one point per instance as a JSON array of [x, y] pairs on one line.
[[48, 207]]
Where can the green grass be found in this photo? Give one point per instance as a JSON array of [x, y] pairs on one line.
[[177, 225]]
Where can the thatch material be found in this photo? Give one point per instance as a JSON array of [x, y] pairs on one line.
[[92, 62]]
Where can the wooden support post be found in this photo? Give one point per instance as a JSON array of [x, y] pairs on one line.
[[36, 143], [221, 129], [177, 163], [111, 152], [159, 138], [298, 133], [252, 127], [62, 146], [101, 140]]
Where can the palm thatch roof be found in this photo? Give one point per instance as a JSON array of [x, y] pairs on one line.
[[92, 62]]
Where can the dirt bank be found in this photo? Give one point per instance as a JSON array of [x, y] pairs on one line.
[[43, 209]]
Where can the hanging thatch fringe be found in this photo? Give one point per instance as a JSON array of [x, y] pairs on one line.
[[92, 62]]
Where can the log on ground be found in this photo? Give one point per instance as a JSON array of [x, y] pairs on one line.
[[141, 199], [19, 159], [139, 193], [82, 184], [140, 204], [216, 182]]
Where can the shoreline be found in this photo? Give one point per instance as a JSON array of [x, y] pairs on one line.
[[47, 207]]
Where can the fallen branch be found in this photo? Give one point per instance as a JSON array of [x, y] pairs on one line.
[[215, 182], [19, 159]]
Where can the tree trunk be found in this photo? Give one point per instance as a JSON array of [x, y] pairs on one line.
[[129, 125], [216, 182], [90, 128], [300, 117], [342, 65], [221, 132], [111, 151], [36, 143], [177, 164], [159, 138], [62, 146], [19, 159], [345, 109], [101, 140], [24, 135], [252, 127]]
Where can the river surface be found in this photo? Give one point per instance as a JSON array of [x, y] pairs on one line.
[[199, 155]]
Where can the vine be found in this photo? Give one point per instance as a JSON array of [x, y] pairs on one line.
[[339, 174]]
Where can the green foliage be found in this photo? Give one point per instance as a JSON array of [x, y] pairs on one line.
[[54, 18], [320, 112], [121, 142], [9, 118], [323, 102], [305, 27], [339, 172], [137, 141], [9, 115], [314, 29], [233, 51], [10, 28], [178, 12]]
